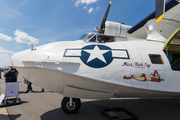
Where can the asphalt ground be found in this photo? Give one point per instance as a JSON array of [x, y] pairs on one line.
[[46, 105]]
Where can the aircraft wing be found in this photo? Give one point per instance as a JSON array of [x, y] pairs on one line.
[[148, 28]]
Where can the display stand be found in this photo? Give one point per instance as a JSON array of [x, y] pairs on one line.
[[10, 89]]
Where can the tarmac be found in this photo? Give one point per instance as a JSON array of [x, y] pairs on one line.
[[46, 105]]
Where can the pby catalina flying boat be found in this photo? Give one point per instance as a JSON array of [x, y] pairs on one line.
[[116, 61]]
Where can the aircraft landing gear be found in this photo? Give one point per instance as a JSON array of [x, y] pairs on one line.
[[70, 105]]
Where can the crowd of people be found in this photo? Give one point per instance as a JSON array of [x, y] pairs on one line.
[[11, 74]]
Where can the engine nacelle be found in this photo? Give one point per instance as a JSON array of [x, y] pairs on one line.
[[116, 29]]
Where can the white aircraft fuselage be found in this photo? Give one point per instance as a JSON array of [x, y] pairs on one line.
[[81, 69], [120, 61]]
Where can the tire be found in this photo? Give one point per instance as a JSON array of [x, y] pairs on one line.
[[76, 104]]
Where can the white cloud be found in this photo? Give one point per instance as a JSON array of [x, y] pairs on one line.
[[97, 8], [90, 10], [85, 7], [17, 12], [87, 2], [5, 37], [5, 51], [5, 60], [4, 57], [25, 1], [23, 37]]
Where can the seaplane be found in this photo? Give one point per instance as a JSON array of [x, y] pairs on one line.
[[115, 61]]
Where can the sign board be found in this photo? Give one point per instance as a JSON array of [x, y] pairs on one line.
[[12, 89], [1, 98]]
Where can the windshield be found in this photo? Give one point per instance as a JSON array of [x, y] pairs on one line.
[[86, 36]]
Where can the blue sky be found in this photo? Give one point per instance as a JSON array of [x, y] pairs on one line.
[[43, 21]]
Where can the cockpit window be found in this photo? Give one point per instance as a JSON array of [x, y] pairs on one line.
[[104, 39], [92, 37], [86, 36]]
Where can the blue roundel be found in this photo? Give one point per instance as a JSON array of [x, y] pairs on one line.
[[96, 56]]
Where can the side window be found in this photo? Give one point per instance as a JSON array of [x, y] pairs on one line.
[[156, 59], [100, 39], [93, 39], [175, 61]]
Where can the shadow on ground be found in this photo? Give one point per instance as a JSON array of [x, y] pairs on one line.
[[14, 117], [144, 109]]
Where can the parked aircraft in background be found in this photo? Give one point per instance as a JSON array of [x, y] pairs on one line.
[[117, 61]]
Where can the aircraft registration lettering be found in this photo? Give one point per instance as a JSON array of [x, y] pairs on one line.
[[136, 64]]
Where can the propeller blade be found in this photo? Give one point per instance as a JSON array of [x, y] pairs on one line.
[[160, 9], [105, 17]]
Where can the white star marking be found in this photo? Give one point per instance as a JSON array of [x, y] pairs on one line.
[[96, 53]]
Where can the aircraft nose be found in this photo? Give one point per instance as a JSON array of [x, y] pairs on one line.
[[45, 53]]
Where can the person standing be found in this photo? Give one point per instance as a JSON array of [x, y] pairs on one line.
[[42, 90], [11, 74]]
